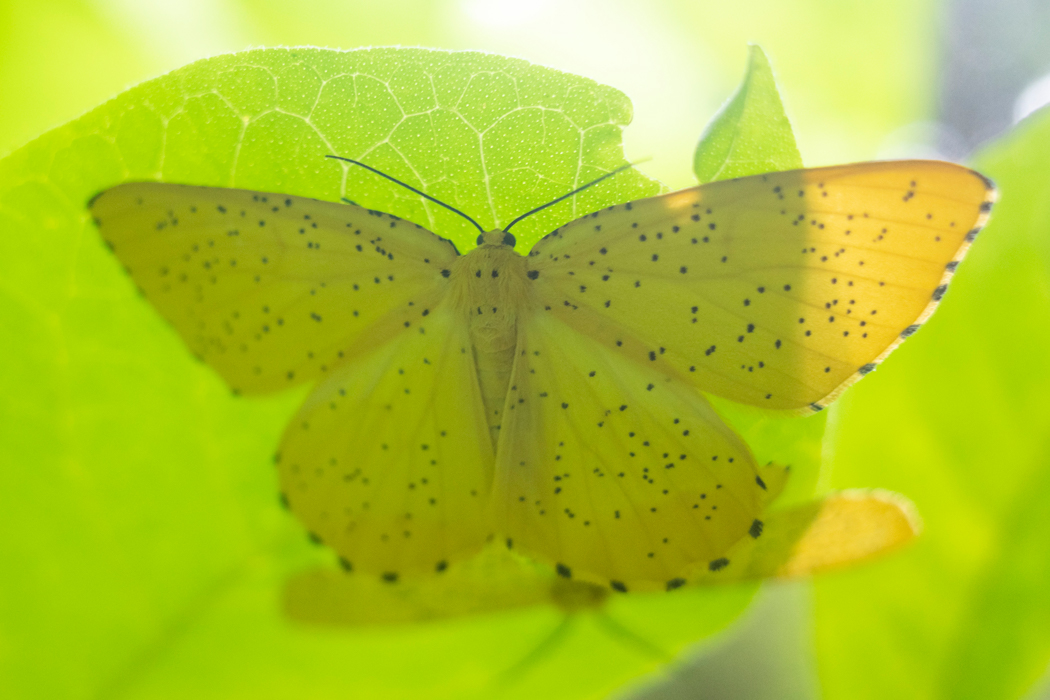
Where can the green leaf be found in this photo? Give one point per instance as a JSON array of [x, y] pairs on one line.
[[956, 420], [751, 133], [143, 547]]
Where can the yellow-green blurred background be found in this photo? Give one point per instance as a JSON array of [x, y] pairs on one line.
[[860, 80]]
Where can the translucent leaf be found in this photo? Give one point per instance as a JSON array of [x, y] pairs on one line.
[[144, 548], [751, 133]]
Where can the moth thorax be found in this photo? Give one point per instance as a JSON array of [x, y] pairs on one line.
[[490, 286], [496, 293]]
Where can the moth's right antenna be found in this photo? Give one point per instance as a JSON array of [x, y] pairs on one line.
[[566, 196]]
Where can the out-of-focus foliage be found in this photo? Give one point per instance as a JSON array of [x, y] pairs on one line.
[[957, 419], [869, 74]]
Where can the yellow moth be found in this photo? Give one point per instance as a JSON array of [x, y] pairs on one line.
[[549, 401]]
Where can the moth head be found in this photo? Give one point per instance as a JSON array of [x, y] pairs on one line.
[[497, 237]]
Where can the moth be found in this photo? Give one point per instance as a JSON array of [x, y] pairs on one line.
[[551, 400]]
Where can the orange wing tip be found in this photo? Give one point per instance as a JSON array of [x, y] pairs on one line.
[[984, 213], [852, 527]]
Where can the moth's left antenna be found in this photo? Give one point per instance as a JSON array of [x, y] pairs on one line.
[[410, 188]]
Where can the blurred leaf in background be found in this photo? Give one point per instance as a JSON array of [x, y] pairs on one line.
[[868, 76], [958, 421]]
